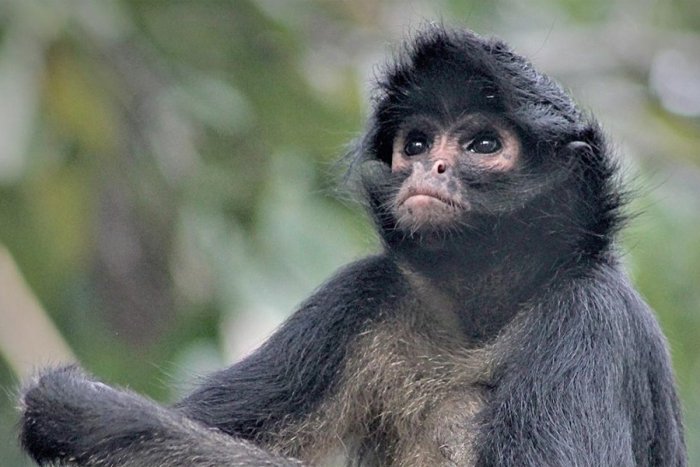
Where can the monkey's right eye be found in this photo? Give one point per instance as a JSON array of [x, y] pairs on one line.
[[416, 144]]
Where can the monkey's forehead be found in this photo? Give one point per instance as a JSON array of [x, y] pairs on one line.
[[444, 96], [466, 122]]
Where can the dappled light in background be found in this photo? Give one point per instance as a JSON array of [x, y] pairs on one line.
[[168, 178], [676, 80]]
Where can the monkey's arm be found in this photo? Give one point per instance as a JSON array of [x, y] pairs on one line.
[[297, 367], [69, 419], [586, 383]]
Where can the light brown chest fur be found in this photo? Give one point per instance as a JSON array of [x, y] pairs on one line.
[[403, 400]]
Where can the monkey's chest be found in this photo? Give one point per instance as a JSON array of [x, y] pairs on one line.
[[405, 398]]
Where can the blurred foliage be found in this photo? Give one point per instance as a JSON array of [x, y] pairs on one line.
[[167, 167]]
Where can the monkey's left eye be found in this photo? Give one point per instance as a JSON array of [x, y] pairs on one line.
[[484, 145], [416, 144]]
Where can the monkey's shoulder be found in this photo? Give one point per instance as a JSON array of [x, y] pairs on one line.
[[371, 279]]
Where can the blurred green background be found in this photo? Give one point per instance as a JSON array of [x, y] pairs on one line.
[[167, 168]]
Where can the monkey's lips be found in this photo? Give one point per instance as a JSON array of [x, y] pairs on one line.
[[426, 198], [425, 209]]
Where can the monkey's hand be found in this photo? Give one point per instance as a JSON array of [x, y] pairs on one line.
[[70, 419], [58, 407]]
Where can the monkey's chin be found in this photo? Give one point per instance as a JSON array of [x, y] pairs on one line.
[[426, 214]]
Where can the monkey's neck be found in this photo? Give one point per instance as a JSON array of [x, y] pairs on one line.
[[484, 279]]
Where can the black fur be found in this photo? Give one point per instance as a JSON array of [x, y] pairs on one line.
[[519, 318]]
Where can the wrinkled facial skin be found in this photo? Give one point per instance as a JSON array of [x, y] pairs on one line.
[[434, 197]]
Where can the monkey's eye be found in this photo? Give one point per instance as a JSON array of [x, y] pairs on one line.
[[484, 145], [416, 144]]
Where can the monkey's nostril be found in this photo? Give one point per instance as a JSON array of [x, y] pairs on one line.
[[440, 167]]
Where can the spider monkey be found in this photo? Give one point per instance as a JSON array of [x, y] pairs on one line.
[[496, 328]]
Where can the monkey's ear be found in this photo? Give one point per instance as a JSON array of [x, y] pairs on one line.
[[578, 147], [577, 152], [571, 158]]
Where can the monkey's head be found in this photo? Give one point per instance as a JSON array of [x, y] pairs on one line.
[[465, 133]]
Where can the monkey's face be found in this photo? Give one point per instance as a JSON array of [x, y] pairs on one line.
[[441, 163]]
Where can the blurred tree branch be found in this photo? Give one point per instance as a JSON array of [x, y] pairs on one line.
[[27, 335]]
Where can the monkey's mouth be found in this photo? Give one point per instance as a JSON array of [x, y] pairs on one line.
[[426, 198], [427, 209]]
